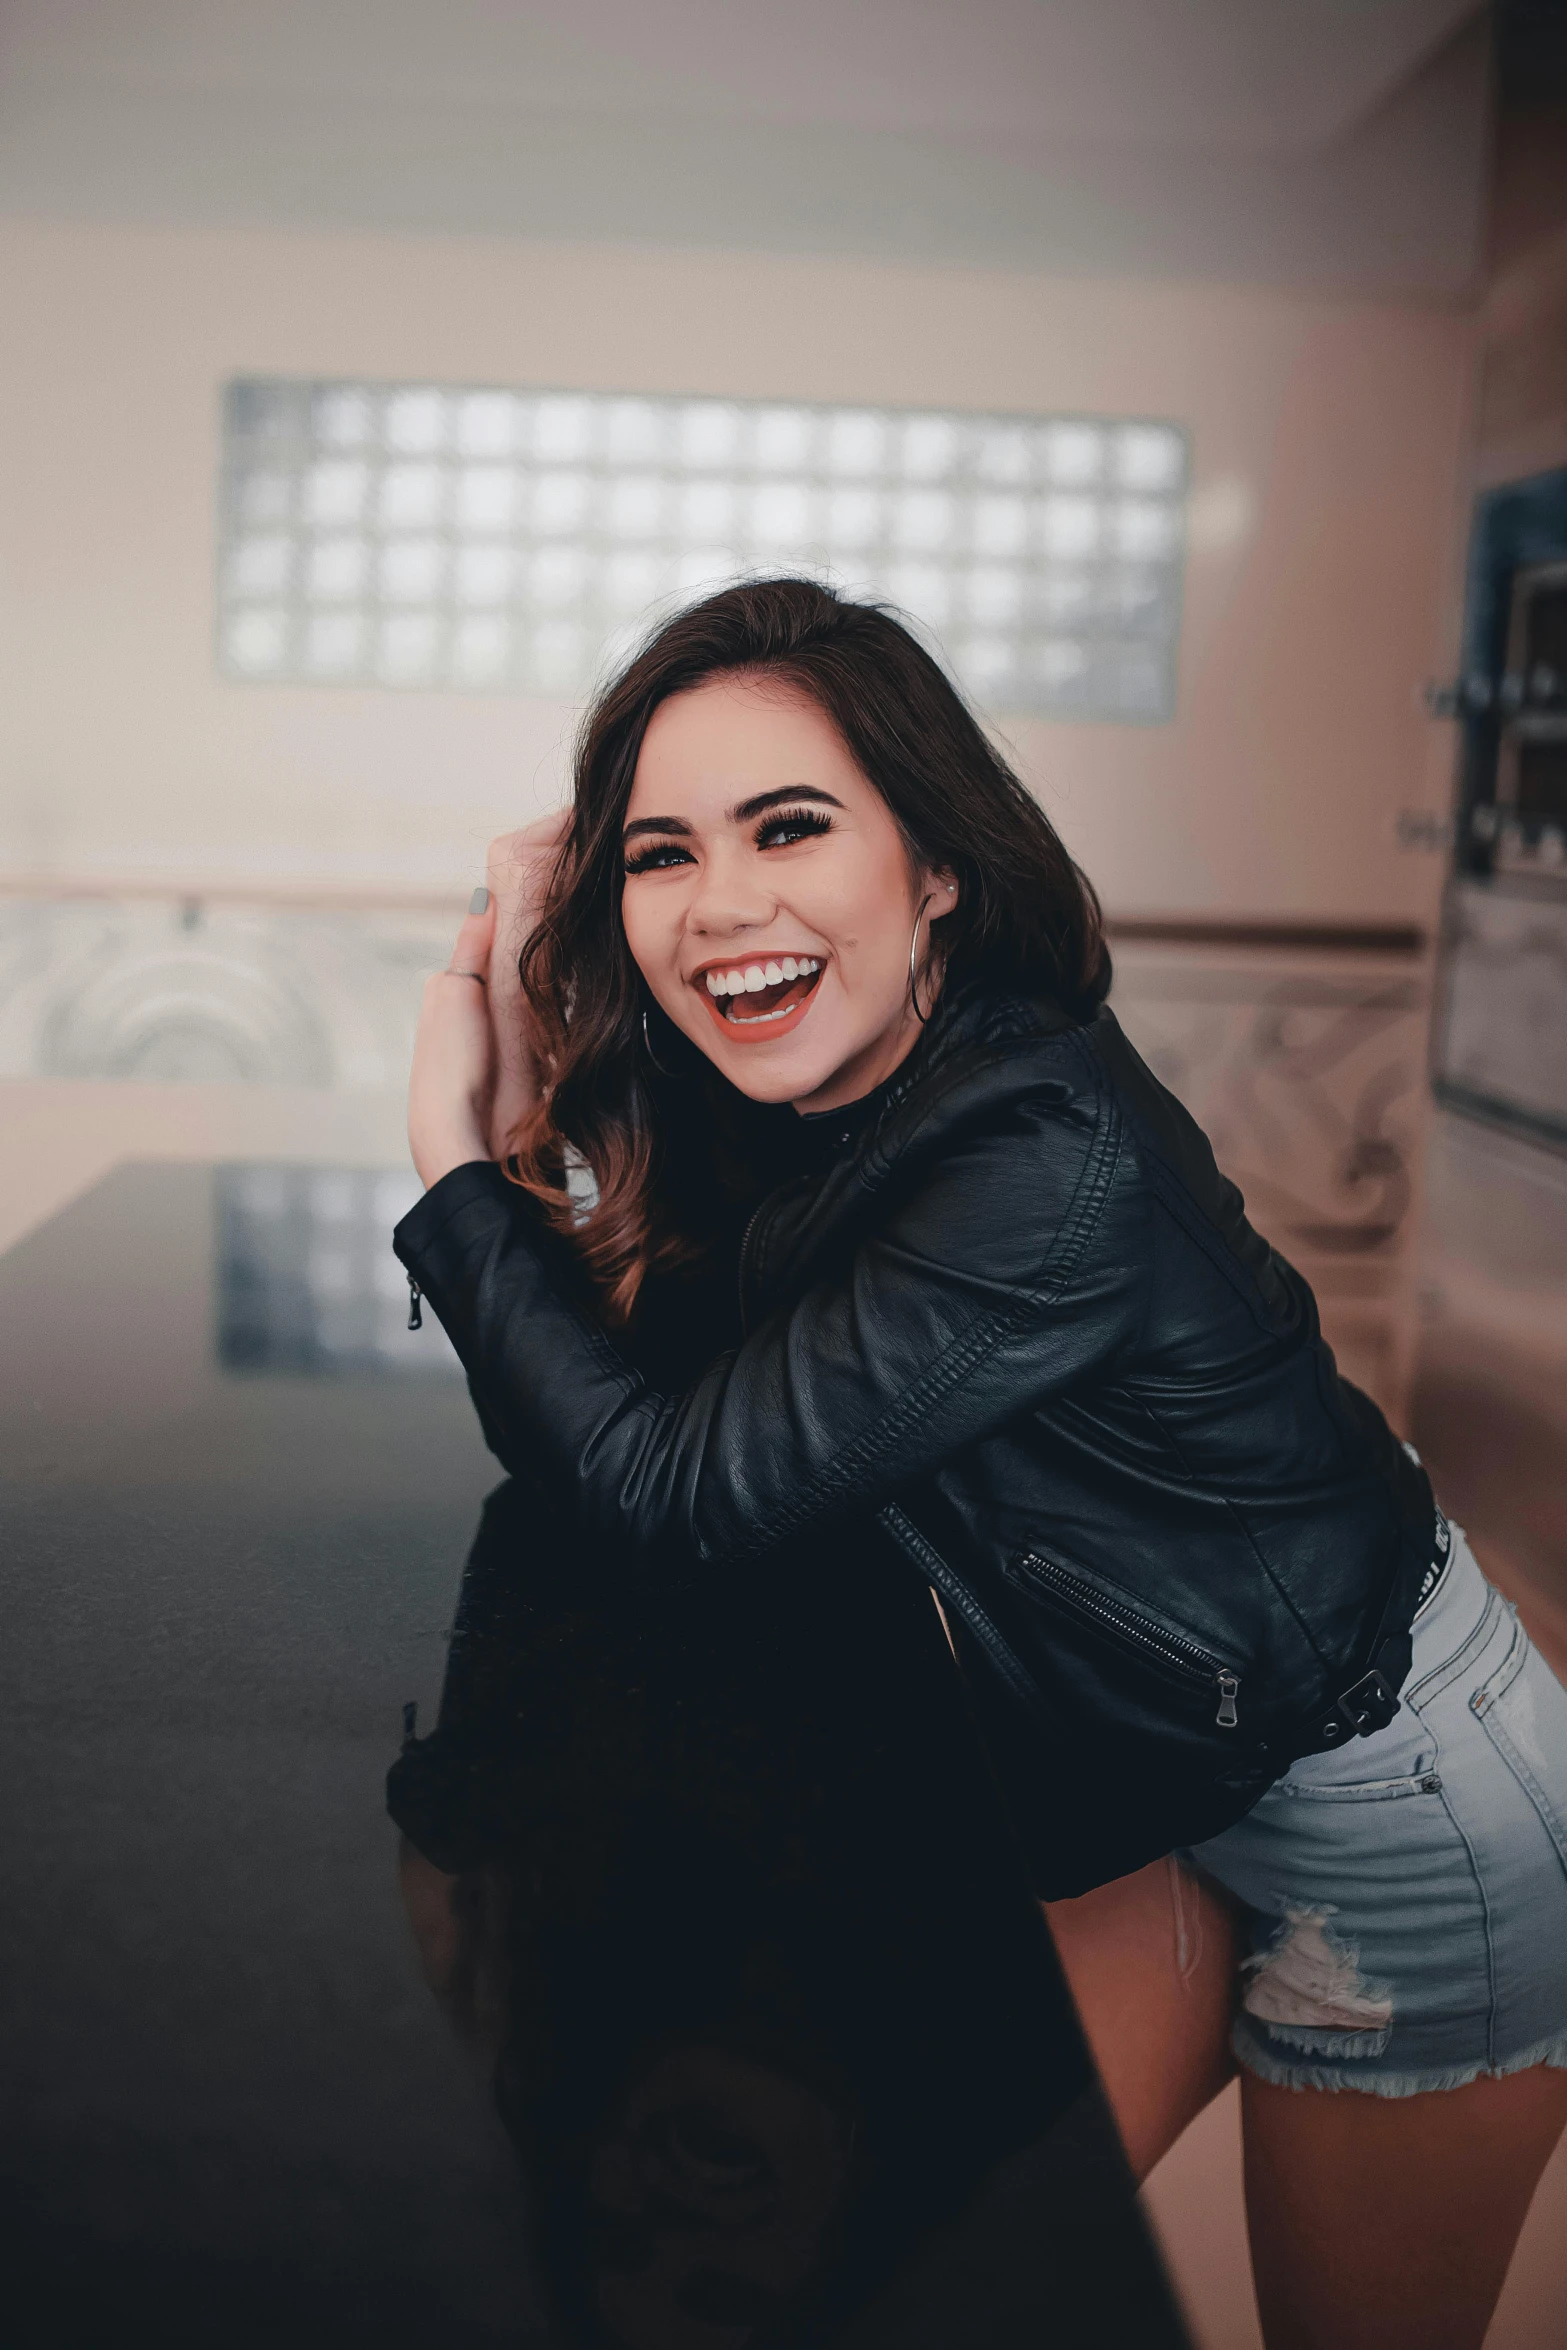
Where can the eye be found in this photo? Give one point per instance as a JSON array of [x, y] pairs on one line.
[[791, 824], [658, 856]]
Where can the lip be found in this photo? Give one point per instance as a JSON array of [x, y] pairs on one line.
[[753, 1031]]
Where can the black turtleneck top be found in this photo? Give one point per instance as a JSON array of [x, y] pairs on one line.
[[686, 1317]]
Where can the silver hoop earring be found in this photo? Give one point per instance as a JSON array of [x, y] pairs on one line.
[[914, 943], [647, 1046]]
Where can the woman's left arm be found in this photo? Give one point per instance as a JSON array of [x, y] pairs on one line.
[[1013, 1269]]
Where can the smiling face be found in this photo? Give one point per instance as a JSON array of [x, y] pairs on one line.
[[769, 896]]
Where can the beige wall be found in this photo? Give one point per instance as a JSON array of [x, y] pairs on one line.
[[1521, 426], [1327, 436]]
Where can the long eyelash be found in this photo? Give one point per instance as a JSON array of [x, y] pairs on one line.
[[639, 860], [798, 819], [794, 819]]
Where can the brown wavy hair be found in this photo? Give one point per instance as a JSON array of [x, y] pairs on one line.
[[1024, 910]]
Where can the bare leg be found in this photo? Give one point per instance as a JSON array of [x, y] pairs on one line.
[[1151, 1963], [1387, 2223]]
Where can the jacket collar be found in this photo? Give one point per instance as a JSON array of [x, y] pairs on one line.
[[788, 1225], [981, 1010]]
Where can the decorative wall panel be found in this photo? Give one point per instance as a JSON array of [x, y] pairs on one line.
[[188, 989], [1307, 1071], [1501, 1048]]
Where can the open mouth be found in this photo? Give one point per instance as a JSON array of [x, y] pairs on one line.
[[761, 998]]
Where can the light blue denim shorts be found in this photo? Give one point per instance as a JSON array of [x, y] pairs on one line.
[[1406, 1894]]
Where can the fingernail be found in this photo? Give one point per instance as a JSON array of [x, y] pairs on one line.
[[479, 903]]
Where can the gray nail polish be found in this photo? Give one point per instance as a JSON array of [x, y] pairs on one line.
[[479, 903]]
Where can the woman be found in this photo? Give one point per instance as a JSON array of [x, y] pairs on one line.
[[814, 1012]]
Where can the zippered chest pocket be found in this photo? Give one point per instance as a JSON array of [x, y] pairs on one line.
[[1137, 1634]]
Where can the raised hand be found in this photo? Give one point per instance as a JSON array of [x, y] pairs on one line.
[[517, 870], [451, 1087]]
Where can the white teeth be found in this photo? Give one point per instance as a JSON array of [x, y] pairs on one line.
[[756, 976]]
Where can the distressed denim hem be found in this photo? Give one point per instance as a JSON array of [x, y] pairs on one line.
[[1314, 2042], [1552, 2052]]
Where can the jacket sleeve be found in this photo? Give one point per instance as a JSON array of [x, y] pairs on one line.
[[1008, 1270]]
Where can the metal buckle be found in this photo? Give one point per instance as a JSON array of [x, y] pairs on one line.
[[1368, 1704]]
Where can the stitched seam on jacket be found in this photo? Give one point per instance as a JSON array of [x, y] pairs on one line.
[[983, 1338], [1234, 1510], [873, 1168], [918, 1547], [609, 1360], [1008, 1018], [1186, 1213], [1212, 1244]]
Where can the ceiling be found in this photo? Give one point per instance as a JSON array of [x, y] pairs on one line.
[[1336, 139]]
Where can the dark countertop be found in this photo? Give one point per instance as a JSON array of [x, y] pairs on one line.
[[236, 1511]]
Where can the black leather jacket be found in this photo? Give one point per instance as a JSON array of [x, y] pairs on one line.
[[1020, 1328]]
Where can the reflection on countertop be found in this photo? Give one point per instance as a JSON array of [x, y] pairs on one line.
[[713, 1880], [306, 1280], [770, 2044]]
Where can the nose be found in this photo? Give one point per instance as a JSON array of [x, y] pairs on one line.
[[730, 898]]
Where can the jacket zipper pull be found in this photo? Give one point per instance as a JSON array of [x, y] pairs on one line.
[[1229, 1689], [415, 1317]]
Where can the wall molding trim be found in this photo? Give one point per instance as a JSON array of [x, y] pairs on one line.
[[1297, 937]]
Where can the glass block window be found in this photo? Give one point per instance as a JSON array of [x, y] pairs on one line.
[[415, 535]]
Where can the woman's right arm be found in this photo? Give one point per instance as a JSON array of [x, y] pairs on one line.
[[1013, 1270]]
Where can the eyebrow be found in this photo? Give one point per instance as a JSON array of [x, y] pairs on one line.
[[791, 794]]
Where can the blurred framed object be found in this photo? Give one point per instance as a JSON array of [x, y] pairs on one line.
[[1499, 1039]]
